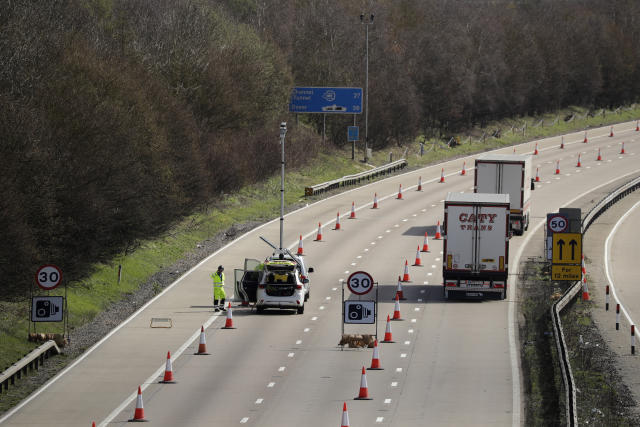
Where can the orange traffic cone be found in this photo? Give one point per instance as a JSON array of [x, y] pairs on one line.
[[578, 164], [396, 310], [535, 152], [345, 416], [562, 142], [611, 133], [228, 324], [405, 276], [375, 201], [138, 415], [537, 176], [337, 221], [364, 388], [93, 424], [585, 137], [438, 235], [622, 150], [558, 167], [585, 289], [319, 235], [584, 270], [442, 175], [418, 262], [202, 346], [400, 192], [388, 338], [599, 158], [300, 248], [514, 150], [399, 293], [375, 360], [352, 215], [168, 371], [637, 127], [419, 184], [425, 244], [464, 168]]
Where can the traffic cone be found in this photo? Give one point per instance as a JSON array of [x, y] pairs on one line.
[[599, 158], [228, 324], [93, 424], [464, 168], [438, 235], [637, 127], [405, 276], [364, 389], [202, 347], [399, 293], [611, 133], [622, 150], [442, 175], [535, 152], [300, 248], [168, 371], [419, 184], [418, 262], [578, 164], [353, 211], [345, 416], [514, 150], [396, 310], [585, 289], [337, 221], [562, 142], [375, 201], [375, 360], [425, 244], [584, 270], [138, 415], [537, 176], [400, 192], [585, 137], [558, 167], [388, 338], [319, 235]]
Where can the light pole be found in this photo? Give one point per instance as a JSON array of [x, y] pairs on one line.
[[366, 90], [283, 132]]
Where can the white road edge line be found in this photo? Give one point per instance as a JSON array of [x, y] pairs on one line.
[[607, 244], [513, 351]]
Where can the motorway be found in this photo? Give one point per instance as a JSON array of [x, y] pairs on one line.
[[453, 363]]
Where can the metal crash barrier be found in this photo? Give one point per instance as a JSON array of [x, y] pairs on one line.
[[32, 360], [356, 178]]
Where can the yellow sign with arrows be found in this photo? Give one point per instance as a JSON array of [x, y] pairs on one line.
[[567, 248]]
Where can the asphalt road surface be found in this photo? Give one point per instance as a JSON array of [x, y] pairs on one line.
[[452, 363]]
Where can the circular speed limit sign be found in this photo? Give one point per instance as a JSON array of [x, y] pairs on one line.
[[360, 282], [558, 223], [48, 277]]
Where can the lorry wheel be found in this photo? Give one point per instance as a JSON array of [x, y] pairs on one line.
[[301, 309], [504, 295]]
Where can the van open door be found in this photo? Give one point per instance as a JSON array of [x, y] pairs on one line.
[[246, 281]]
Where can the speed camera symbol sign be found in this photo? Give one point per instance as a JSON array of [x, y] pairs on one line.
[[48, 277], [360, 283]]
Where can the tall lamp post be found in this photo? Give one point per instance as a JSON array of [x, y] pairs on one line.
[[366, 23], [283, 132]]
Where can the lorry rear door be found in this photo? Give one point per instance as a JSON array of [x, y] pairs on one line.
[[512, 182], [492, 223]]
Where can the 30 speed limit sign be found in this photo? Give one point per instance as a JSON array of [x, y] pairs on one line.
[[48, 277], [360, 282]]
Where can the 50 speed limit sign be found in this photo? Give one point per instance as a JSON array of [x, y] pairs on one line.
[[360, 282], [48, 277], [557, 223]]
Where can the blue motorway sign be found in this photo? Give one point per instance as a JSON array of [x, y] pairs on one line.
[[345, 100], [352, 133]]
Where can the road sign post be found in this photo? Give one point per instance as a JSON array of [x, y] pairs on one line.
[[358, 311]]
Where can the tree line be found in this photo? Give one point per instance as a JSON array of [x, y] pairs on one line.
[[117, 117]]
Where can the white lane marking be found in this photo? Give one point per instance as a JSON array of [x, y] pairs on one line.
[[271, 385], [419, 299], [405, 220], [366, 249], [414, 215], [379, 237], [396, 225], [244, 420], [322, 307], [410, 331], [607, 245], [341, 280], [327, 298], [398, 369], [387, 401], [387, 231], [416, 309], [291, 354], [259, 401], [407, 342], [433, 206], [314, 318], [282, 368], [441, 252], [379, 419], [403, 355], [334, 289], [413, 320], [353, 263], [373, 243], [438, 259], [306, 329], [433, 266], [359, 256], [298, 342], [423, 210], [422, 291], [394, 384], [429, 274], [346, 272]]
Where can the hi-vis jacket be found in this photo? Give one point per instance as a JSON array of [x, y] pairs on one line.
[[218, 286]]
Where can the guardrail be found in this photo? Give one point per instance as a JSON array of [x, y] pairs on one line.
[[356, 178], [32, 360], [558, 306]]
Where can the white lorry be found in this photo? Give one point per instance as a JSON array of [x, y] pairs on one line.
[[507, 174], [476, 244]]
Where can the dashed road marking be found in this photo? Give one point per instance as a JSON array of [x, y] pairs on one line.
[[291, 354], [298, 342], [387, 401], [410, 331], [394, 384], [379, 419], [359, 256], [398, 369], [327, 298], [334, 289], [403, 355], [321, 307], [407, 342], [353, 263], [244, 420], [306, 329], [259, 401], [414, 320], [271, 385], [416, 309], [282, 368], [314, 318]]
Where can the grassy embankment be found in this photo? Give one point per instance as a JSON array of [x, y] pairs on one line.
[[90, 295]]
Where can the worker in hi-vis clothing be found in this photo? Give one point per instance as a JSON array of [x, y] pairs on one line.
[[218, 289]]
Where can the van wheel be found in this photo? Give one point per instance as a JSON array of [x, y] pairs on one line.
[[306, 297], [301, 309], [260, 310]]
